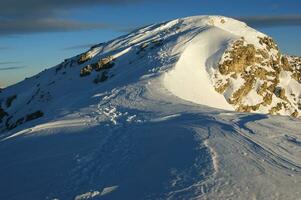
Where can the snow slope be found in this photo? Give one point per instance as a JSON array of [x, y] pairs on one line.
[[139, 117], [190, 79]]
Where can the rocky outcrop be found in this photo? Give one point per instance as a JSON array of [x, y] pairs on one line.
[[85, 71], [11, 123], [102, 64], [85, 57], [249, 75], [10, 100], [34, 115], [293, 64]]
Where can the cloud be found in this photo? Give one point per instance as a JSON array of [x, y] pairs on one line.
[[33, 16], [4, 47], [272, 21], [9, 63], [11, 68], [34, 8], [45, 25]]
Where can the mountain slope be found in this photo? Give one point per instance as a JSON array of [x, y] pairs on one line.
[[150, 115]]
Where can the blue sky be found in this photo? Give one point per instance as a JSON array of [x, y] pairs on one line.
[[36, 34]]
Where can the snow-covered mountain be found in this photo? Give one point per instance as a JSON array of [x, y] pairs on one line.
[[151, 115]]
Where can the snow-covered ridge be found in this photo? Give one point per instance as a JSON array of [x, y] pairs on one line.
[[243, 65], [145, 116], [187, 55]]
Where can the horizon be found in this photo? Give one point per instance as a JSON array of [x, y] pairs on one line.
[[53, 31]]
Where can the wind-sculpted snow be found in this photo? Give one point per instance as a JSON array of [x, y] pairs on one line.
[[147, 131], [154, 149]]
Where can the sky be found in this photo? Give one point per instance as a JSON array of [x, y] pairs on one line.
[[38, 34]]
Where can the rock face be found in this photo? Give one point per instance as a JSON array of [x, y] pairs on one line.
[[256, 77]]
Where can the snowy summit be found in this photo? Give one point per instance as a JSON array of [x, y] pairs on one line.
[[164, 112]]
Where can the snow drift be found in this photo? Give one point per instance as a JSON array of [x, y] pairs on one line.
[[190, 78]]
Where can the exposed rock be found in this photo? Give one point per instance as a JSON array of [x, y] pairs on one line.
[[2, 114], [10, 100], [295, 114], [267, 99], [275, 109], [260, 68], [240, 57], [85, 71], [242, 91], [29, 117], [85, 57], [268, 42], [295, 65], [104, 63], [157, 43], [285, 64], [220, 88], [34, 115], [280, 92], [262, 89]]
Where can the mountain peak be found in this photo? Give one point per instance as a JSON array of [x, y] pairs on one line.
[[154, 115], [209, 60]]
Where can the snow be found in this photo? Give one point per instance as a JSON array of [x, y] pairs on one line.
[[189, 79], [156, 129], [252, 98], [93, 194]]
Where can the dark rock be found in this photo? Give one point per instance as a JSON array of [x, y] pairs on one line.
[[34, 115], [10, 100]]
